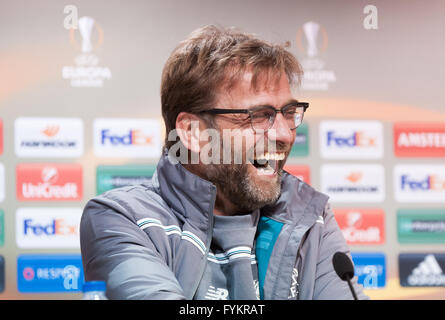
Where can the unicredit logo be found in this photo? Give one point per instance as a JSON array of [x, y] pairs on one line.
[[132, 137], [361, 226], [49, 182], [302, 172]]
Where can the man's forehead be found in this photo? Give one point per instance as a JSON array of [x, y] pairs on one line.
[[255, 79], [249, 87]]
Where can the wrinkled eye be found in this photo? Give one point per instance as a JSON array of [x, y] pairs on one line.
[[263, 114], [289, 113], [262, 118]]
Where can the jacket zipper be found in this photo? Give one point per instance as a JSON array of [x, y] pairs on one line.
[[208, 243], [296, 256]]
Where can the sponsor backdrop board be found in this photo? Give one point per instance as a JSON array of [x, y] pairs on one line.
[[2, 274], [80, 115], [422, 269], [44, 228], [2, 182], [421, 226], [49, 273], [2, 228], [370, 268], [49, 182], [110, 177], [48, 137]]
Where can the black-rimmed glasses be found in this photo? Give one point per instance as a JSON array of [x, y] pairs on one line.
[[262, 118]]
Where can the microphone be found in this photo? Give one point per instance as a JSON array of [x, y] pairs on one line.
[[344, 269]]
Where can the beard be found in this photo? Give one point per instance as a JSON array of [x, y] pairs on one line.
[[241, 185], [237, 185]]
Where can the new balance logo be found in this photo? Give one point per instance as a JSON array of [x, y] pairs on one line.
[[427, 273], [256, 285], [216, 294], [293, 290]]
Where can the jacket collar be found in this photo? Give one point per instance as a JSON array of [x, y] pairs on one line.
[[186, 193], [297, 199]]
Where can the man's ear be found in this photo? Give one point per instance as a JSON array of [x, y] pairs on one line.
[[188, 126]]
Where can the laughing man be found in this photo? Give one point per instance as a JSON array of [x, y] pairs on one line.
[[208, 226]]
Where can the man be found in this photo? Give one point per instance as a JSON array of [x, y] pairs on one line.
[[220, 218]]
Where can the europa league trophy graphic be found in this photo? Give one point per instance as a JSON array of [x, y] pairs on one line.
[[315, 77], [311, 31], [87, 72], [85, 28]]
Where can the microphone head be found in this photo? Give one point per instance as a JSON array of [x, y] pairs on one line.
[[343, 266]]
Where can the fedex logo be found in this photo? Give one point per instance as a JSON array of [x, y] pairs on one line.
[[129, 138], [48, 227], [419, 183], [431, 182], [351, 139], [54, 227], [359, 139], [133, 137]]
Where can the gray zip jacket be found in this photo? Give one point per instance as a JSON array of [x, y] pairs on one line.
[[152, 241]]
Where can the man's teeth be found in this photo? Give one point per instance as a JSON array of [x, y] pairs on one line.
[[265, 171], [268, 162], [271, 156]]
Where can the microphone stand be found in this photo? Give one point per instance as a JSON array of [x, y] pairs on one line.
[[351, 287]]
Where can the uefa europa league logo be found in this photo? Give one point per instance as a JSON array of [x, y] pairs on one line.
[[91, 34], [311, 32], [312, 40], [316, 39], [85, 28], [86, 72]]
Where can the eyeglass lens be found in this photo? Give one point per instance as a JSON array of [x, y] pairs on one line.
[[264, 119]]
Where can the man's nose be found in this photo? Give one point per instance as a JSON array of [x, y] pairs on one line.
[[280, 131]]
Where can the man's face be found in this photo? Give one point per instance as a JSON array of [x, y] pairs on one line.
[[252, 184]]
